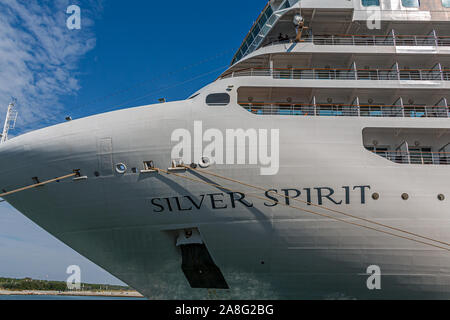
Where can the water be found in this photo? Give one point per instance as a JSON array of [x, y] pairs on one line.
[[13, 297]]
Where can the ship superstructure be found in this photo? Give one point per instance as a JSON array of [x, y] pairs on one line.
[[345, 104]]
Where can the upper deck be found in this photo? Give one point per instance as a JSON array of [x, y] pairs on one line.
[[344, 17]]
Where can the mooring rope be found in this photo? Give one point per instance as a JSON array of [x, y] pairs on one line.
[[320, 206], [306, 210], [38, 184]]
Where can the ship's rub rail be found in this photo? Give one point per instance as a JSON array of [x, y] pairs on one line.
[[344, 74], [371, 40], [336, 110]]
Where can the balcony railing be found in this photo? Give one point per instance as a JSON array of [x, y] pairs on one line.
[[371, 40], [343, 74], [416, 157], [342, 110]]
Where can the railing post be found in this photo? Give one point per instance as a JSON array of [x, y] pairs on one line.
[[436, 38], [398, 70], [358, 106], [400, 103], [314, 106]]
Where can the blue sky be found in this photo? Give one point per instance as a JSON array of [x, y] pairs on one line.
[[127, 53]]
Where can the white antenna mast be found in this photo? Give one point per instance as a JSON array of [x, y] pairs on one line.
[[10, 121]]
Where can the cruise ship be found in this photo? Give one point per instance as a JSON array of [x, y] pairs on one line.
[[314, 167]]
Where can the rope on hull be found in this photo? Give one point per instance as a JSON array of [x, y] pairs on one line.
[[39, 184], [318, 213]]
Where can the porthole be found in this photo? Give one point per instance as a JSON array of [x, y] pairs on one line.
[[97, 174], [375, 196], [204, 163], [405, 196], [441, 197], [121, 168]]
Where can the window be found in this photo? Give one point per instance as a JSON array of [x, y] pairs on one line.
[[218, 99], [368, 3], [411, 3], [446, 3], [253, 34]]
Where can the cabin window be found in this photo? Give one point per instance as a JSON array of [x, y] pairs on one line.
[[218, 99], [446, 3], [368, 3], [411, 3]]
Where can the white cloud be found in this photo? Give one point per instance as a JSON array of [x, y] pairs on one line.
[[39, 55]]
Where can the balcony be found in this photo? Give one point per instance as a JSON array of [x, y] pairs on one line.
[[435, 74], [415, 157], [398, 110], [391, 39]]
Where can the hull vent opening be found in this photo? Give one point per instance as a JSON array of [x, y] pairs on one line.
[[197, 263]]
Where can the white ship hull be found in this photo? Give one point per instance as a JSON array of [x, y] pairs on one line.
[[334, 88], [111, 220]]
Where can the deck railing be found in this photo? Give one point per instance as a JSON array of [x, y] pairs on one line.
[[416, 157], [342, 110], [343, 74], [371, 40]]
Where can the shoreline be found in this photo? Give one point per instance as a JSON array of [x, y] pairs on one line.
[[112, 294]]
